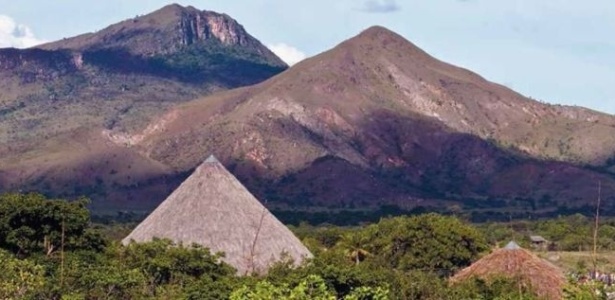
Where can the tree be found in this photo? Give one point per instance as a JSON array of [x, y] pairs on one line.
[[354, 245], [31, 223], [162, 262], [496, 289], [109, 281], [426, 242], [19, 279], [157, 269], [592, 290], [312, 287]]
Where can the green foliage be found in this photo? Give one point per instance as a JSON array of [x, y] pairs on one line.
[[262, 290], [161, 262], [203, 61], [498, 233], [585, 291], [569, 233], [396, 258], [157, 269], [32, 224], [496, 289], [322, 236], [208, 288], [312, 287], [109, 282], [368, 293], [382, 255], [426, 242], [19, 279], [573, 233]]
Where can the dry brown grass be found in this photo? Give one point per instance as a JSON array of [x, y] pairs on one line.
[[545, 279], [580, 261]]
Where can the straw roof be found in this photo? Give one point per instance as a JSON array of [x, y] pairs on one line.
[[537, 239], [512, 261], [213, 209]]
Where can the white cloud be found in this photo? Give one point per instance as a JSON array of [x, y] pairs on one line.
[[16, 35], [287, 53], [380, 6]]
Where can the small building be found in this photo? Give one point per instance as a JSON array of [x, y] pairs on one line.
[[538, 242], [213, 209], [543, 278]]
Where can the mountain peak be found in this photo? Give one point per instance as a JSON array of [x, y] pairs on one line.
[[176, 7], [168, 30], [173, 10], [377, 30], [379, 34], [364, 53], [382, 37]]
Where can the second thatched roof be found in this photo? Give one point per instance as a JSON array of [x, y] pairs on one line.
[[213, 209], [544, 279]]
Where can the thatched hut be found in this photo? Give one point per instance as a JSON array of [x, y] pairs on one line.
[[213, 209], [512, 261], [538, 242]]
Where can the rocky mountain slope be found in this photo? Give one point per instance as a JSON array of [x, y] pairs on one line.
[[374, 121], [120, 77], [377, 120], [380, 71], [171, 27]]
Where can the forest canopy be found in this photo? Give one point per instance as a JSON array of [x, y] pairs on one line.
[[50, 249]]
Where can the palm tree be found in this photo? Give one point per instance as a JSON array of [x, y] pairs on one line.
[[354, 245]]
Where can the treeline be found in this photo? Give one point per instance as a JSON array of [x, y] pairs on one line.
[[50, 250], [354, 217], [563, 233]]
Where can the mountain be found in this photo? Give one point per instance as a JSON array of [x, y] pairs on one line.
[[56, 97], [121, 77], [380, 71], [170, 30], [374, 121]]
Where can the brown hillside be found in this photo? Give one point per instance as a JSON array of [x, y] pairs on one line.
[[168, 30], [56, 98], [377, 121], [122, 76], [380, 70]]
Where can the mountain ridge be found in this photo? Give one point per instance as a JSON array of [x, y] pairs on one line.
[[166, 30], [57, 97], [343, 109], [373, 121], [109, 79]]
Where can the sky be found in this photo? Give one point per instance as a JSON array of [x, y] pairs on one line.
[[557, 51]]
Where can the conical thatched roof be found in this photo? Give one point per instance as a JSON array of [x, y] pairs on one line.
[[512, 261], [213, 209]]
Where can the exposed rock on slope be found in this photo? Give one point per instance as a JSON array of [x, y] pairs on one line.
[[121, 75], [375, 121], [170, 30], [119, 78]]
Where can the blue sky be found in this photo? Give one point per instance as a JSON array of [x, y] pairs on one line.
[[558, 51]]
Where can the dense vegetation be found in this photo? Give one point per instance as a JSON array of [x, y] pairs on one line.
[[50, 250]]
